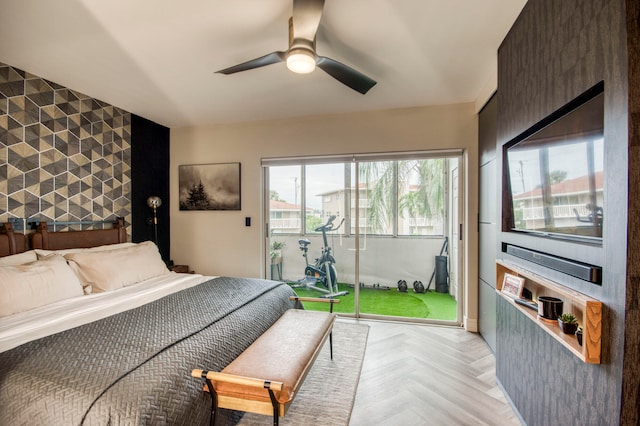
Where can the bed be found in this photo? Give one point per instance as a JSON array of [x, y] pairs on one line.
[[106, 334], [10, 242]]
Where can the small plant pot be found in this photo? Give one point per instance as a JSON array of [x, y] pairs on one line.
[[549, 308], [567, 328], [579, 337]]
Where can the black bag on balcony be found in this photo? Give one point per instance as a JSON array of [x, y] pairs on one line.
[[442, 275]]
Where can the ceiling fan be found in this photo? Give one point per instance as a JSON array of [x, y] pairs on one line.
[[301, 56]]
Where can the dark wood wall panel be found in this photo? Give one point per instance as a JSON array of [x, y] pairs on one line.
[[150, 176], [552, 387], [631, 371], [487, 122], [555, 51]]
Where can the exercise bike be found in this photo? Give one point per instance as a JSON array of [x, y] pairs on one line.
[[321, 275]]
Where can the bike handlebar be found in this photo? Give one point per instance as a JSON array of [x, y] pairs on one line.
[[329, 225]]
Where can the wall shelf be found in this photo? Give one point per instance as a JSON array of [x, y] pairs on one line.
[[587, 310]]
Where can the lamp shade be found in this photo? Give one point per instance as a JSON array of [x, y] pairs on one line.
[[154, 201], [301, 61]]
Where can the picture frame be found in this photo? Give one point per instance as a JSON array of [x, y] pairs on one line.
[[213, 186], [512, 286]]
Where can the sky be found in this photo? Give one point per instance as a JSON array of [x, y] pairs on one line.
[[320, 178], [570, 158]]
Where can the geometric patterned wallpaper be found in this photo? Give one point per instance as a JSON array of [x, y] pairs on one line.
[[64, 156]]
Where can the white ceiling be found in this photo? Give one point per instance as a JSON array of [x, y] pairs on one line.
[[156, 58]]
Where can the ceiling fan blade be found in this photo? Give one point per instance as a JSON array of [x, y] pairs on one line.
[[345, 74], [306, 18], [271, 58]]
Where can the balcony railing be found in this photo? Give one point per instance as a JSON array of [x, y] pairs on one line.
[[558, 212], [290, 223], [421, 221]]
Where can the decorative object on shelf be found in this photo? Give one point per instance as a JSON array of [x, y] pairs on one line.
[[154, 202], [568, 323], [512, 286], [579, 335], [209, 186], [549, 308]]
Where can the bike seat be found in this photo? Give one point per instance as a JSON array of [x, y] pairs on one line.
[[304, 242]]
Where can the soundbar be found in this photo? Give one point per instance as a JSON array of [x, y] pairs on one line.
[[583, 271]]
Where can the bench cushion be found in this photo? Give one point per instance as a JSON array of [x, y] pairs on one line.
[[284, 353]]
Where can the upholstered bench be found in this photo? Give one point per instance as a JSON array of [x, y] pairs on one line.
[[265, 377]]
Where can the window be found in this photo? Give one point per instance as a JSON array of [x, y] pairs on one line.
[[405, 194], [323, 192], [397, 197], [285, 208], [421, 189]]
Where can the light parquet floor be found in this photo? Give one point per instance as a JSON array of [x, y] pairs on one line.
[[428, 375]]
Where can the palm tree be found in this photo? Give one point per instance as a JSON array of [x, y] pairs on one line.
[[378, 178], [422, 199], [430, 188]]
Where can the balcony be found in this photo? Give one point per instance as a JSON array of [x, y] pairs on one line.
[[384, 261]]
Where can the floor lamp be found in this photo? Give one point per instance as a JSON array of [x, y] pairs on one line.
[[154, 202]]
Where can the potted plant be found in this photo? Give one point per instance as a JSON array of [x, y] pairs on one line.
[[579, 335], [276, 252], [568, 323]]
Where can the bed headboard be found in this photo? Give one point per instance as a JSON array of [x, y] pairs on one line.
[[42, 238], [11, 242]]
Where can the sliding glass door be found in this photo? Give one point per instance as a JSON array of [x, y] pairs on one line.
[[375, 233], [308, 245]]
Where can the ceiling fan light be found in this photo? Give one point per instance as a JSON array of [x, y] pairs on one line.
[[301, 61]]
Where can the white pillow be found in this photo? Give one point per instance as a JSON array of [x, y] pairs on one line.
[[113, 269], [19, 259], [43, 253], [35, 284]]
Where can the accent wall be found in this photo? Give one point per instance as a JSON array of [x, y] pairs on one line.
[[64, 155], [555, 51]]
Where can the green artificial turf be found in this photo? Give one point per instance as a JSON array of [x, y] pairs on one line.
[[432, 305]]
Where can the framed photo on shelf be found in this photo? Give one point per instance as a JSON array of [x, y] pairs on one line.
[[512, 286]]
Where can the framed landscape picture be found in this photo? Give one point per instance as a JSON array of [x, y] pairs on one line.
[[512, 286], [209, 186]]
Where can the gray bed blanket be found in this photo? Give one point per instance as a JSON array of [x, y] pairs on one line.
[[133, 368]]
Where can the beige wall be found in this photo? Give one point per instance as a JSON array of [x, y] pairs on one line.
[[218, 243]]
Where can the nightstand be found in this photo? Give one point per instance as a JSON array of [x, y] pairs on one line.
[[183, 269]]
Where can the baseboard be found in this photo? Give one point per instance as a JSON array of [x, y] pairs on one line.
[[470, 324]]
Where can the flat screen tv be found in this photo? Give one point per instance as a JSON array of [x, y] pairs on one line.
[[555, 173]]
